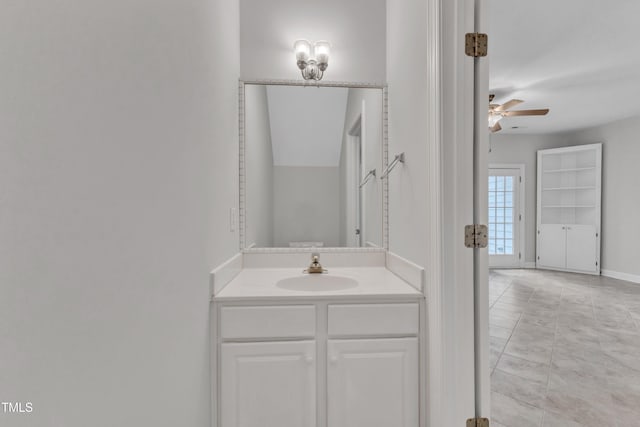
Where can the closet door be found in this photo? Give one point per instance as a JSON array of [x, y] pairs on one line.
[[581, 248], [552, 245]]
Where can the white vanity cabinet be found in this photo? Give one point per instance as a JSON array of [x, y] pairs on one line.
[[373, 382], [318, 363], [268, 384]]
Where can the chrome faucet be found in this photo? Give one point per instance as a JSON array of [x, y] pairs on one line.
[[315, 267]]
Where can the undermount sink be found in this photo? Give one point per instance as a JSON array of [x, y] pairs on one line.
[[317, 283]]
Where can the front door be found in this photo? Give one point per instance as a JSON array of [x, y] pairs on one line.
[[505, 216]]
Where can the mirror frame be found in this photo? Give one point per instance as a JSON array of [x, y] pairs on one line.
[[242, 166]]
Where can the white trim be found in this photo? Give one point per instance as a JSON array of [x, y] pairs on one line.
[[531, 265], [433, 322], [633, 278], [522, 206], [568, 270]]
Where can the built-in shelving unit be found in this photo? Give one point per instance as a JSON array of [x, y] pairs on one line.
[[569, 198]]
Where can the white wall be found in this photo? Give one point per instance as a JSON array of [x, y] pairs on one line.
[[355, 28], [408, 130], [413, 130], [258, 168], [117, 170], [523, 149], [620, 195], [306, 205]]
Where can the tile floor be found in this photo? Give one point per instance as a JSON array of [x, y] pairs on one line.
[[565, 350]]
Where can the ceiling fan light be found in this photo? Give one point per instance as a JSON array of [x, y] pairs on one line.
[[493, 119]]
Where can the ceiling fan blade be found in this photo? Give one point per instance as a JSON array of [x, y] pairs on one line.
[[491, 96], [540, 112], [493, 106], [509, 104], [495, 128]]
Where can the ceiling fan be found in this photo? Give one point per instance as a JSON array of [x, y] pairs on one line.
[[498, 112]]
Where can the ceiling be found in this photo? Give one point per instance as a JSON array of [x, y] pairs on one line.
[[579, 58], [307, 124]]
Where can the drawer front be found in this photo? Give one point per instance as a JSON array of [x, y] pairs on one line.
[[374, 319], [292, 321]]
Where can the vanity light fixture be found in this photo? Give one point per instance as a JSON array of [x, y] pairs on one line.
[[312, 66]]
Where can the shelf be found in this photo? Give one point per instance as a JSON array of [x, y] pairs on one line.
[[569, 170], [568, 206], [568, 188]]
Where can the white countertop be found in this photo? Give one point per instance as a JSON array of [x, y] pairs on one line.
[[261, 283]]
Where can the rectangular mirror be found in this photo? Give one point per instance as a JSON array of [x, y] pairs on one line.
[[310, 163]]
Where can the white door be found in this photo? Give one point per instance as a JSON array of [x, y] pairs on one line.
[[581, 248], [459, 385], [552, 246], [505, 216], [373, 383], [268, 384]]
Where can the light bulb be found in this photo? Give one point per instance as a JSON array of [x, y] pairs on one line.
[[302, 49], [321, 51]]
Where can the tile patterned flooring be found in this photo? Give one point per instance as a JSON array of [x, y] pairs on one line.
[[565, 350]]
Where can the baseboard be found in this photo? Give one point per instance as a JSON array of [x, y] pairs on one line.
[[621, 276], [526, 265]]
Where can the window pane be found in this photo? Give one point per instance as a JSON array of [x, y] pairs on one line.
[[509, 199], [500, 183], [508, 249]]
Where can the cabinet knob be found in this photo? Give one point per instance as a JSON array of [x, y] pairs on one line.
[[333, 359], [309, 360]]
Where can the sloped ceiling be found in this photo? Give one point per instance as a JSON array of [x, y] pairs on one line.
[[580, 58], [307, 124]]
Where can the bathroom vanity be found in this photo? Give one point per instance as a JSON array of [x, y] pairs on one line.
[[341, 349]]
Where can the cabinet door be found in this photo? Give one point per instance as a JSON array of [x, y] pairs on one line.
[[268, 384], [552, 246], [373, 383], [582, 248]]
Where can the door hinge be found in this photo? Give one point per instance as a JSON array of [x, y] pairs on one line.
[[476, 44], [520, 217], [478, 422], [520, 178], [475, 236], [519, 255]]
